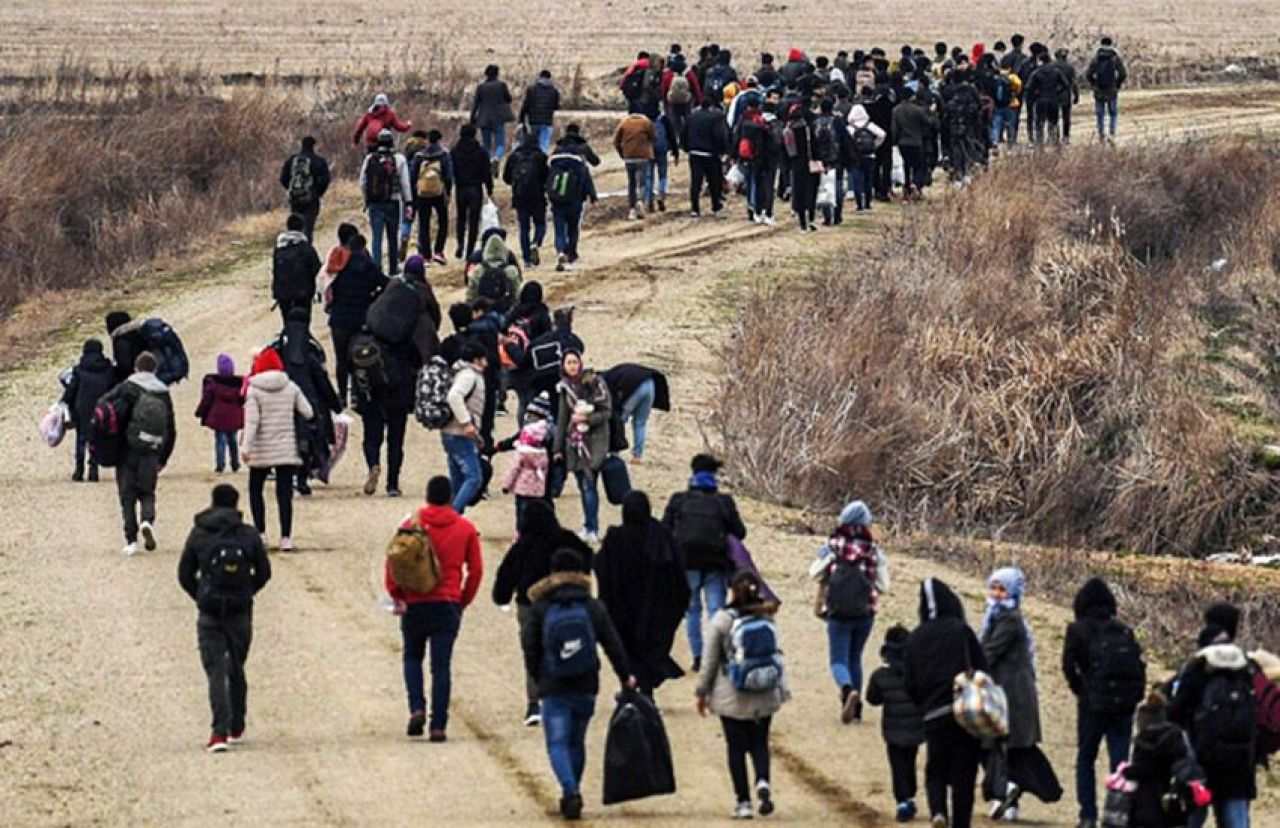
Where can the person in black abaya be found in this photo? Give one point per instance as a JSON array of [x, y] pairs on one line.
[[642, 584], [304, 362]]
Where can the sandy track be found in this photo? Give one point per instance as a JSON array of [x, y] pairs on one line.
[[102, 706]]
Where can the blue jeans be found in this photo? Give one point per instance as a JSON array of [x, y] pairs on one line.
[[1091, 729], [495, 141], [637, 409], [845, 642], [1004, 119], [564, 720], [568, 221], [1227, 813], [533, 229], [436, 623], [862, 178], [463, 456], [543, 133], [384, 219], [224, 448], [658, 175], [1104, 109], [590, 490], [715, 584]]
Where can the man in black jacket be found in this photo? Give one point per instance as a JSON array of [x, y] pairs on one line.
[[1047, 92], [638, 389], [294, 266], [939, 649], [701, 520], [706, 140], [1061, 59], [223, 566], [1095, 613], [559, 644], [473, 180], [305, 177], [537, 112], [1106, 75], [526, 171]]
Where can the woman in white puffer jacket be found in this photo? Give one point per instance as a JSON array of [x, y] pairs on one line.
[[270, 440]]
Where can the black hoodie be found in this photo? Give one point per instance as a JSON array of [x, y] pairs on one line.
[[529, 558], [567, 587], [1094, 606], [942, 647], [92, 377], [215, 528], [902, 724]]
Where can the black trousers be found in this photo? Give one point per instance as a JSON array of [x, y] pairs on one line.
[[469, 201], [952, 766], [379, 422], [309, 212], [884, 171], [287, 306], [804, 192], [743, 737], [224, 648], [284, 497], [1066, 122], [902, 768], [425, 207], [136, 479], [342, 359], [705, 168]]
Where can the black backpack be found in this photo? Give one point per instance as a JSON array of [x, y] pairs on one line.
[[1104, 73], [302, 184], [394, 314], [226, 579], [172, 364], [699, 528], [524, 175], [1116, 677], [824, 141], [494, 285], [564, 180], [864, 141], [1225, 725], [633, 84], [1001, 91], [381, 179], [849, 591], [368, 362]]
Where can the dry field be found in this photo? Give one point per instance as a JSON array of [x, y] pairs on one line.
[[345, 36]]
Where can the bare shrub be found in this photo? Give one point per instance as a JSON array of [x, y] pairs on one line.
[[1029, 357]]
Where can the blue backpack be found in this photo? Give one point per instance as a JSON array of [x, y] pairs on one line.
[[755, 660], [568, 641]]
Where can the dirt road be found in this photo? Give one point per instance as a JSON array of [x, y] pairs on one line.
[[102, 701]]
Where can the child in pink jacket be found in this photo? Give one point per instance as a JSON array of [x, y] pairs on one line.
[[527, 476]]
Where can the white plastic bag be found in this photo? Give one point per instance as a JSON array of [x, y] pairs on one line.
[[899, 169], [489, 216], [735, 177], [53, 425], [827, 189]]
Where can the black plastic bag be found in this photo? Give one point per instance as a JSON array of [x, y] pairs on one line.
[[637, 754]]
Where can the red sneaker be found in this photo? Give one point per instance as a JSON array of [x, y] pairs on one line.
[[217, 744], [236, 738]]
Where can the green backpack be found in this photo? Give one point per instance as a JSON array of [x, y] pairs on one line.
[[148, 424]]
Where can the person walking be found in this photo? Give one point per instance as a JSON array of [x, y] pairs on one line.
[[526, 173], [1061, 59], [706, 140], [305, 177], [902, 725], [461, 438], [379, 117], [640, 389], [294, 266], [913, 128], [634, 141], [434, 619], [701, 520], [538, 110], [1102, 663], [851, 571], [641, 583], [582, 434], [490, 113], [384, 183], [351, 293], [473, 180], [1106, 76], [805, 169], [942, 647], [680, 91], [221, 410], [304, 361], [559, 642], [431, 170], [1048, 90], [667, 144], [92, 377], [745, 684], [150, 436], [223, 567], [865, 138], [384, 384], [1006, 98], [270, 442], [528, 561], [569, 186]]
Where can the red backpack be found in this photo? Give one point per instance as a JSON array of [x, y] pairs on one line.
[[1267, 693]]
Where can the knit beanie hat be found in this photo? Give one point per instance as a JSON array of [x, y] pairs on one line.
[[268, 360], [415, 265], [539, 406], [226, 365], [116, 319]]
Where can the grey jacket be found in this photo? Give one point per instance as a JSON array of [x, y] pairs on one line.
[[466, 398], [713, 680], [1008, 654], [597, 438]]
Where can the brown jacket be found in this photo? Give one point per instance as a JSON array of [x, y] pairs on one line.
[[635, 138]]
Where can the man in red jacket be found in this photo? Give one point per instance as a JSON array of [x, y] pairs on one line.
[[378, 117], [436, 616]]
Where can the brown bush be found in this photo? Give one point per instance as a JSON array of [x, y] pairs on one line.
[[1030, 356]]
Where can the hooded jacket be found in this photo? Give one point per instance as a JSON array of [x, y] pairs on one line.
[[1233, 779], [213, 527], [1106, 91], [635, 137], [126, 342], [496, 255], [860, 119], [92, 377], [902, 724], [1008, 653], [1094, 606], [403, 192], [353, 291], [569, 586], [1157, 750], [270, 434], [491, 107], [942, 647], [380, 116], [713, 679], [141, 382], [528, 561], [541, 100], [530, 311], [733, 525], [720, 75], [320, 174], [531, 196], [221, 407], [913, 125], [471, 166], [706, 133], [457, 546], [294, 266], [577, 145], [795, 68]]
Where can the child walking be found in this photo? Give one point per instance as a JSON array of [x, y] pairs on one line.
[[902, 725], [221, 409], [527, 477], [92, 377]]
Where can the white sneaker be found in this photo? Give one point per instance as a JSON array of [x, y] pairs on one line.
[[589, 537], [743, 810], [148, 533], [130, 549], [632, 216], [768, 221], [995, 808], [1011, 814]]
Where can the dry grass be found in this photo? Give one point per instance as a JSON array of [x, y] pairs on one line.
[[1045, 355]]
